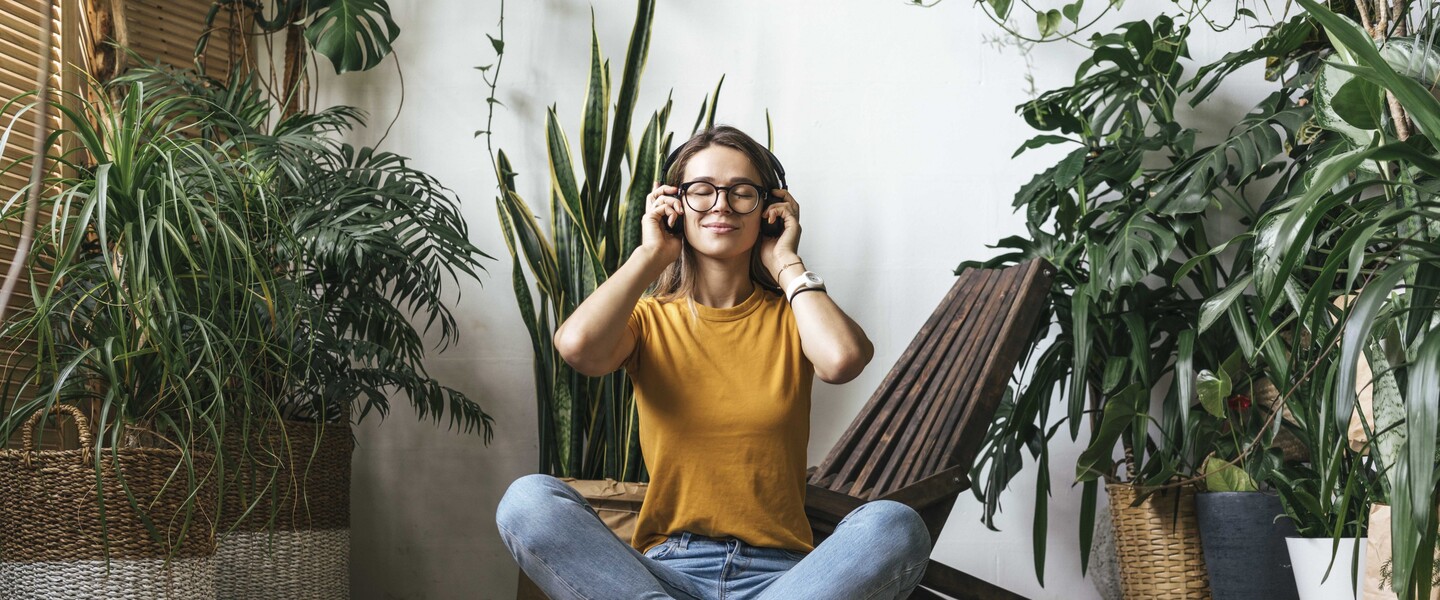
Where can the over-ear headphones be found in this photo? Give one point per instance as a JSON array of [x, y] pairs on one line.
[[766, 229]]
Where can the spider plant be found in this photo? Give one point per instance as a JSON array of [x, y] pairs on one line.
[[363, 243]]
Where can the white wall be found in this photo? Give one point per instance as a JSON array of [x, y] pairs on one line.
[[896, 126]]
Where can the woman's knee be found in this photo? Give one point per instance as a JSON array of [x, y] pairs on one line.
[[899, 523], [526, 499]]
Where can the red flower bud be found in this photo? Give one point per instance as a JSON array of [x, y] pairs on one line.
[[1239, 402]]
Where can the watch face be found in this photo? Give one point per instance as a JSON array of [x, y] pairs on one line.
[[813, 279]]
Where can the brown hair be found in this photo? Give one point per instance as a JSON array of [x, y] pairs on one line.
[[678, 280]]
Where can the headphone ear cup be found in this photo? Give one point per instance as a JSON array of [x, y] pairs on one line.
[[771, 229]]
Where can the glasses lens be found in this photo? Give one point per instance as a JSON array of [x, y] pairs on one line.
[[700, 196], [744, 197]]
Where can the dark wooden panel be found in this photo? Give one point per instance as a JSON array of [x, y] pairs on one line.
[[962, 586]]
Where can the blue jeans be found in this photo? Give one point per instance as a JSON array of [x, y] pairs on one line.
[[879, 551]]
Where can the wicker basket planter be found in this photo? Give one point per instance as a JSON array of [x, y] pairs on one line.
[[53, 545], [1158, 544], [295, 540]]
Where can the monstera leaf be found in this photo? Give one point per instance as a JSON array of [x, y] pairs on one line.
[[354, 34]]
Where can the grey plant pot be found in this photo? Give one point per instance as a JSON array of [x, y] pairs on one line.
[[1243, 536]]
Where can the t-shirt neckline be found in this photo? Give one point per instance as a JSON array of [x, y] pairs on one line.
[[735, 312]]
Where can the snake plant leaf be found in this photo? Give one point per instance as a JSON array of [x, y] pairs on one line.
[[1422, 294], [646, 170], [564, 185], [354, 34], [1088, 499], [700, 117], [635, 57], [714, 102], [1119, 414], [595, 117], [1413, 509]]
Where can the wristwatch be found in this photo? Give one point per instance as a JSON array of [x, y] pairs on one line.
[[805, 281]]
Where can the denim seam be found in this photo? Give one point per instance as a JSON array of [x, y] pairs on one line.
[[897, 578], [542, 563], [724, 573]]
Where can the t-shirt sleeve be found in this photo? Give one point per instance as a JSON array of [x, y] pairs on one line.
[[637, 327]]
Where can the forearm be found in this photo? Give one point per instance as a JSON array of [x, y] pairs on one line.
[[588, 338], [833, 342]]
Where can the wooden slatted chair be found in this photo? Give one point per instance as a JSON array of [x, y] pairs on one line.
[[917, 437]]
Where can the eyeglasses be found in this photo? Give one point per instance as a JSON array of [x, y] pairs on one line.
[[701, 196]]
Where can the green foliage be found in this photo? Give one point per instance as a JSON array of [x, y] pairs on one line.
[[588, 426], [1126, 218], [354, 34], [200, 266]]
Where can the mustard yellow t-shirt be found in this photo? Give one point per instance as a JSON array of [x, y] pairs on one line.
[[724, 405]]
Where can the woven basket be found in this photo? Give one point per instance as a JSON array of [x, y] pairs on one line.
[[294, 480], [1158, 544], [53, 545]]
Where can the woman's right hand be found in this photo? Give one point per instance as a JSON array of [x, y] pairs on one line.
[[662, 207]]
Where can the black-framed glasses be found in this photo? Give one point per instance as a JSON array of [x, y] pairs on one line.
[[701, 196]]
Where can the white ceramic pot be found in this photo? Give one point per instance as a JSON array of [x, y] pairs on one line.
[[1311, 557]]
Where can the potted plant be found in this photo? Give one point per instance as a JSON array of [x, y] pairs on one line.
[[1242, 528], [363, 243]]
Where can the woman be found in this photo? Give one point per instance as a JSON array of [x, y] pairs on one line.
[[722, 354]]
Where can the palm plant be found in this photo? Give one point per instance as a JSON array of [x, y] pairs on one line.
[[363, 242]]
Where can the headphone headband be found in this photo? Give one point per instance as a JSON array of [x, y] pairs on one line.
[[774, 165]]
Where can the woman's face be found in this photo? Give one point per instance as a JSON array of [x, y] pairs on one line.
[[721, 232]]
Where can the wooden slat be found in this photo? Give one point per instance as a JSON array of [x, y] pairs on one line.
[[1020, 323], [167, 31], [859, 441], [937, 398], [846, 447], [962, 392], [962, 586]]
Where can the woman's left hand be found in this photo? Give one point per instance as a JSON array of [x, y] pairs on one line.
[[776, 252]]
